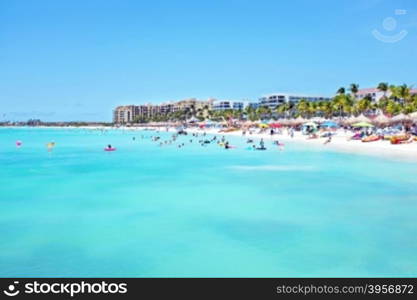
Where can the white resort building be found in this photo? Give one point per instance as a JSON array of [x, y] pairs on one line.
[[226, 104], [375, 94], [274, 100]]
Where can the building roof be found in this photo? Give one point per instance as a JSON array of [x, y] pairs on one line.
[[295, 95], [375, 90], [367, 91]]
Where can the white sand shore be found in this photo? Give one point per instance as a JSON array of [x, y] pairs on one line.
[[339, 142]]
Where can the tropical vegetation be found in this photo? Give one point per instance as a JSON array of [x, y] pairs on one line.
[[396, 99]]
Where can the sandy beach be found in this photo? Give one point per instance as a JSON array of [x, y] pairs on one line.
[[339, 142]]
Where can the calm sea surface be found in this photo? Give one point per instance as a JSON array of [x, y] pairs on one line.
[[146, 210]]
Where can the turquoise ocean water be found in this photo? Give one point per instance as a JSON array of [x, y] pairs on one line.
[[199, 211]]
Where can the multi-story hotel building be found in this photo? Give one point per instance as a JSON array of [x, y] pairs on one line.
[[128, 113], [375, 94], [225, 105], [124, 114], [274, 100], [190, 103]]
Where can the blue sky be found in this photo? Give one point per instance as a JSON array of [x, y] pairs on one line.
[[76, 60]]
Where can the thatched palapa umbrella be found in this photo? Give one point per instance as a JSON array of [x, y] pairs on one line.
[[413, 116], [381, 119], [401, 118]]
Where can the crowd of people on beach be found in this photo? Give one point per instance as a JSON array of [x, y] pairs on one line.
[[203, 139], [255, 136]]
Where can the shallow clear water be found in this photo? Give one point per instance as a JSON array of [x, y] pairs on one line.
[[199, 211]]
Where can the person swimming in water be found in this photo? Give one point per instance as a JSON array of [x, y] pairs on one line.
[[262, 144], [50, 146]]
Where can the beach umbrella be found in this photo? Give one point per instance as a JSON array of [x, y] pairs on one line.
[[330, 124], [381, 119], [360, 118], [363, 118], [401, 118], [298, 120], [263, 125], [275, 125], [363, 124], [350, 120], [284, 121], [413, 116]]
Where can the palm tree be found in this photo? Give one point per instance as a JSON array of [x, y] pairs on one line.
[[382, 104], [393, 107], [363, 105], [383, 87], [354, 88], [339, 104], [263, 111], [249, 110], [400, 93], [283, 108], [303, 107], [325, 107], [413, 102], [312, 109], [404, 93], [341, 91]]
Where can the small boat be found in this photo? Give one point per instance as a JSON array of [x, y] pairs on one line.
[[372, 138], [399, 139]]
